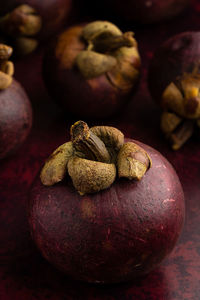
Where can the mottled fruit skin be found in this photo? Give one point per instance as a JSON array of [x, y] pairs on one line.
[[15, 118], [114, 235], [92, 98], [178, 55], [148, 11], [54, 13]]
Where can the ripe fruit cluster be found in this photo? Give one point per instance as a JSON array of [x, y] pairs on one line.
[[104, 208]]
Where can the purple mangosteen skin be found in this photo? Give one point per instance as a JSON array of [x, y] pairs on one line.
[[54, 13], [73, 93], [15, 118], [144, 11], [178, 55], [114, 235]]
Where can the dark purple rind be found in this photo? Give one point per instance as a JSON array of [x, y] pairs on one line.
[[144, 11], [178, 55], [15, 118], [114, 235], [54, 13]]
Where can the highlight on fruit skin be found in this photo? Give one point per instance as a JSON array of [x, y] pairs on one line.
[[114, 234], [92, 70], [174, 83]]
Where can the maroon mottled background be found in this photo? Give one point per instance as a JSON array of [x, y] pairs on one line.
[[24, 274]]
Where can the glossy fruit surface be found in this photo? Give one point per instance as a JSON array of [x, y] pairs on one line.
[[15, 118], [114, 235]]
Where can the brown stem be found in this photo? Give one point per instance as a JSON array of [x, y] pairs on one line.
[[106, 42], [88, 144], [181, 134], [112, 137]]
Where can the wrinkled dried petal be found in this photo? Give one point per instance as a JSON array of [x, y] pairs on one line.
[[133, 161], [55, 167], [8, 68], [182, 134], [92, 64], [183, 96], [169, 121], [191, 85], [5, 52], [5, 80], [126, 72], [90, 176], [172, 99], [191, 89]]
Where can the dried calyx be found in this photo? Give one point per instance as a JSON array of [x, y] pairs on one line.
[[21, 25], [94, 157], [6, 67], [181, 104], [108, 51]]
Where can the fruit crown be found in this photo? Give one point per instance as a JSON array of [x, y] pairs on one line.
[[111, 52], [94, 157]]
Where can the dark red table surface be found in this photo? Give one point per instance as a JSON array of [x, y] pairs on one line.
[[24, 274]]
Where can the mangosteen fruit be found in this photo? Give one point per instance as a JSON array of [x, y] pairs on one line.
[[174, 83], [105, 209], [25, 22], [92, 70], [15, 107]]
